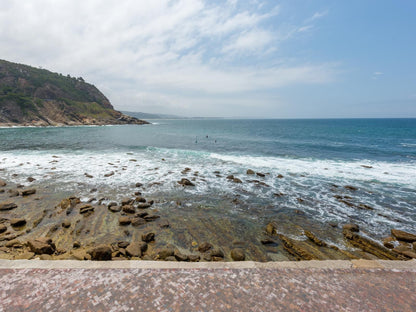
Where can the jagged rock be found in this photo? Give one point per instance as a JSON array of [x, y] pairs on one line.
[[237, 254], [148, 237], [128, 209], [28, 192], [42, 245], [85, 208], [186, 182], [370, 246], [124, 220], [17, 222], [250, 172], [351, 227], [315, 239], [403, 236], [205, 247], [7, 206], [101, 253], [271, 229], [138, 221], [3, 228]]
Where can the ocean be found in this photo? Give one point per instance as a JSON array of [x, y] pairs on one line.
[[312, 172]]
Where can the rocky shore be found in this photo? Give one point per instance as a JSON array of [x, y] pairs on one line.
[[35, 223]]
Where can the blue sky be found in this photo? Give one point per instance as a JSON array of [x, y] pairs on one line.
[[279, 59]]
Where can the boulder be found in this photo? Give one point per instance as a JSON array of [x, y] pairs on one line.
[[112, 204], [403, 236], [351, 227], [259, 174], [134, 250], [205, 247], [250, 172], [7, 206], [128, 209], [3, 228], [140, 199], [28, 192], [137, 221], [127, 201], [279, 176], [148, 237], [186, 182], [114, 208], [143, 205], [100, 253], [17, 222], [237, 180], [164, 253], [124, 220], [42, 245], [237, 254]]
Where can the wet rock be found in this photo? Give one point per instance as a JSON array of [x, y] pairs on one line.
[[122, 244], [111, 204], [28, 192], [388, 242], [109, 174], [124, 220], [351, 188], [279, 176], [134, 250], [237, 180], [17, 222], [351, 227], [186, 170], [2, 191], [42, 245], [7, 206], [414, 246], [141, 214], [230, 177], [88, 176], [271, 229], [138, 184], [148, 237], [13, 193], [114, 208], [194, 258], [237, 254], [66, 224], [100, 253], [150, 218], [127, 201], [2, 183], [366, 166], [259, 174], [403, 236], [333, 224], [138, 221], [204, 247], [186, 182], [180, 256], [143, 206], [128, 209], [371, 246], [315, 239], [84, 208], [250, 172], [140, 199], [3, 228], [164, 253], [29, 179]]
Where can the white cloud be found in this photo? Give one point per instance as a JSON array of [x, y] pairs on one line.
[[158, 53]]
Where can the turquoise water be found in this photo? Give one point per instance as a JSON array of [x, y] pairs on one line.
[[316, 158]]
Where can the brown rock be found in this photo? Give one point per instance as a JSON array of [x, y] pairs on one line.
[[148, 237], [194, 258], [128, 209], [138, 184], [143, 205], [85, 208], [124, 220], [217, 252], [76, 244], [45, 257], [315, 239], [17, 222], [403, 236], [3, 183], [127, 201], [140, 199], [164, 253], [180, 256], [279, 176], [237, 180], [79, 254], [66, 224], [112, 204], [43, 245], [351, 188], [250, 172], [388, 242], [150, 218], [7, 206], [351, 227], [186, 182], [138, 221], [3, 228], [164, 224], [170, 258], [114, 208], [25, 256], [237, 254], [271, 229], [100, 253], [134, 249], [109, 175], [28, 192], [205, 247], [259, 174]]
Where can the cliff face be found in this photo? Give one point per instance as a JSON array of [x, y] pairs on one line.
[[38, 97]]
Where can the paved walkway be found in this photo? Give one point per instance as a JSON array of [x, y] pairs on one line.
[[246, 286]]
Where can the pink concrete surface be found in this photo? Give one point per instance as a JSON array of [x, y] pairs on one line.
[[280, 289]]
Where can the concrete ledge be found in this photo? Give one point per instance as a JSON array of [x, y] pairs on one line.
[[137, 264]]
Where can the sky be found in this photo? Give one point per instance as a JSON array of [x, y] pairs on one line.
[[231, 58]]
